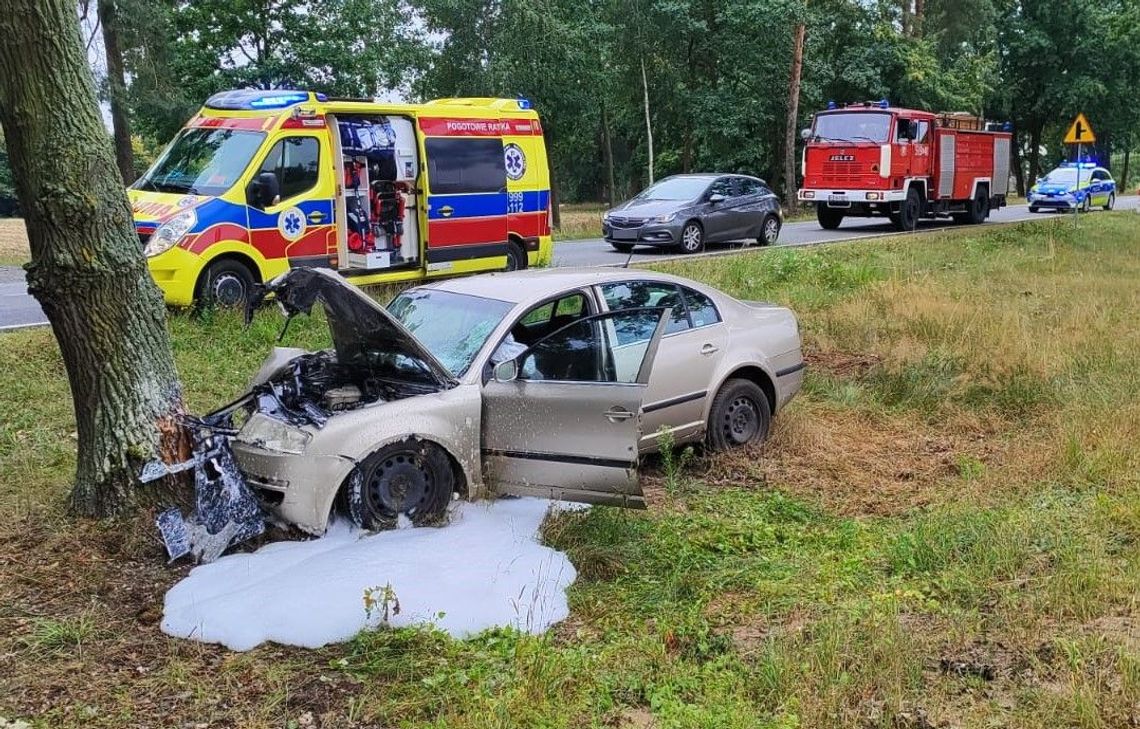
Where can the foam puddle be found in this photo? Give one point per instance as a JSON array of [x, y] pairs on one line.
[[485, 569]]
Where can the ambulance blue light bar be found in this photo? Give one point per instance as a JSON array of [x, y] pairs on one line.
[[524, 103], [256, 99]]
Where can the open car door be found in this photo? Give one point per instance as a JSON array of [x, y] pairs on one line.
[[562, 420]]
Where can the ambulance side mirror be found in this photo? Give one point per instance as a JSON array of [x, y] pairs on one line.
[[263, 191]]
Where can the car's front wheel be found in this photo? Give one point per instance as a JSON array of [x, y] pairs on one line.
[[769, 231], [622, 247], [740, 415], [411, 478], [692, 237]]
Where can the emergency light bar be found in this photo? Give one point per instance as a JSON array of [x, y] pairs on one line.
[[256, 99]]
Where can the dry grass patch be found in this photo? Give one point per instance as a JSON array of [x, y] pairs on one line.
[[13, 242]]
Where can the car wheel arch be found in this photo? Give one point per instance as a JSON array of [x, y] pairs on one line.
[[247, 261], [463, 479], [751, 372]]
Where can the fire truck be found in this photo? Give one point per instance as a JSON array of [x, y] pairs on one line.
[[870, 159]]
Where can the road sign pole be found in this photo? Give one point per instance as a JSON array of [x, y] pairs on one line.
[[1077, 208]]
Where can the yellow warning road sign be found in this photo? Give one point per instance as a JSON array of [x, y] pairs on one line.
[[1080, 132]]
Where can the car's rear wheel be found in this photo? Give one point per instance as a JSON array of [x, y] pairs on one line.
[[740, 415], [1034, 209], [1111, 201], [411, 478], [769, 231], [1086, 204], [226, 283], [829, 218], [622, 247], [692, 237]]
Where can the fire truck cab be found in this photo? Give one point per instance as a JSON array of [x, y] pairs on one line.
[[871, 159]]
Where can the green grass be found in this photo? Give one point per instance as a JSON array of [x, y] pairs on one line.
[[945, 528]]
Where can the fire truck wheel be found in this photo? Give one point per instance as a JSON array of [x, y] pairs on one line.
[[692, 237], [910, 210], [225, 283], [828, 218], [769, 231], [1111, 201], [516, 257], [980, 207]]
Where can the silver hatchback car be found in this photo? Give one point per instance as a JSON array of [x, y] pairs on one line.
[[541, 383], [687, 212]]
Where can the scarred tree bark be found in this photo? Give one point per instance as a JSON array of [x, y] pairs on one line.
[[87, 270], [117, 88], [793, 116]]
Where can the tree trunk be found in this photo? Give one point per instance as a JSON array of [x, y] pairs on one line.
[[1035, 151], [117, 86], [905, 18], [87, 270], [793, 117], [1015, 161], [648, 125], [608, 153], [916, 19], [1124, 171]]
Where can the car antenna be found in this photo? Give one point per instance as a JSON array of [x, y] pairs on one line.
[[628, 258]]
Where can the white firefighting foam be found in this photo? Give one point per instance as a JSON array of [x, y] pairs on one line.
[[484, 569]]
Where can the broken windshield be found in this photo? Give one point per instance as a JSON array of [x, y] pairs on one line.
[[202, 162], [859, 126], [454, 327]]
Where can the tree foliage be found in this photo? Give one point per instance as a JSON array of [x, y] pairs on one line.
[[717, 70]]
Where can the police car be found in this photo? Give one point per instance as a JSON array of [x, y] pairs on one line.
[[1073, 185]]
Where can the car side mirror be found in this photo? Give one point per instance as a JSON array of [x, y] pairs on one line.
[[716, 197], [805, 134], [263, 191], [507, 371]]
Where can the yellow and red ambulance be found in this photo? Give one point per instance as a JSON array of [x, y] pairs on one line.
[[262, 181]]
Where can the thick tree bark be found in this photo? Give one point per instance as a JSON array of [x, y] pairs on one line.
[[117, 86], [608, 153], [87, 270], [793, 117]]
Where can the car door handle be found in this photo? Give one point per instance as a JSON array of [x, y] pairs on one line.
[[709, 349], [617, 414], [316, 217], [446, 211]]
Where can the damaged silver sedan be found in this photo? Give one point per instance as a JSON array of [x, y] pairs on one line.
[[539, 383]]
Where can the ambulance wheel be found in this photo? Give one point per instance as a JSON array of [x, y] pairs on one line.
[[410, 478], [829, 219], [1111, 201], [769, 231], [622, 247], [692, 237], [910, 211], [516, 257], [225, 283]]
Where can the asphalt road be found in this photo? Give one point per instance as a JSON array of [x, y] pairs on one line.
[[18, 309]]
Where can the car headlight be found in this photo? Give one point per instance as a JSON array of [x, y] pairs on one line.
[[665, 218], [606, 217], [273, 435], [169, 233]]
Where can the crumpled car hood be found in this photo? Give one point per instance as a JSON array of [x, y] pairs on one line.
[[359, 326]]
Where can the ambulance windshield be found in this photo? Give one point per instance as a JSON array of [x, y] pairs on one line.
[[202, 162], [859, 126]]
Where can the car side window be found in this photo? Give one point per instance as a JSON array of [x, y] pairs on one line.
[[296, 163], [637, 294], [539, 322], [723, 186], [701, 308], [749, 186], [589, 351]]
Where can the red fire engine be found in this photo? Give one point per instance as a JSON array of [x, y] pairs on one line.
[[870, 159]]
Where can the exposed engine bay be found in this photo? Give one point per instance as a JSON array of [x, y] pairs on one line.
[[374, 359]]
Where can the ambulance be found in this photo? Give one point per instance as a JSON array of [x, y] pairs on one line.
[[259, 182]]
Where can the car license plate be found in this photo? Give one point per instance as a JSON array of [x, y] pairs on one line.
[[619, 234], [838, 201]]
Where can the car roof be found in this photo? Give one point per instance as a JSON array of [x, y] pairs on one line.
[[538, 284]]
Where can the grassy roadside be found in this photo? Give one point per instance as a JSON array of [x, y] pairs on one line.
[[13, 242], [943, 531]]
